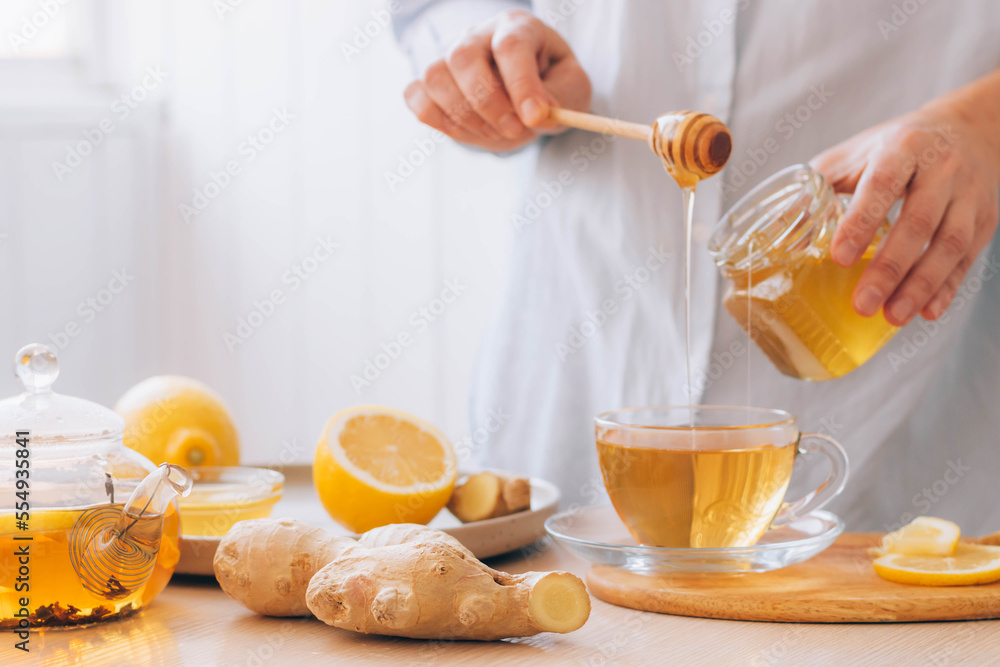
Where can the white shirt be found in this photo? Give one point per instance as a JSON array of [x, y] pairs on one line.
[[593, 318]]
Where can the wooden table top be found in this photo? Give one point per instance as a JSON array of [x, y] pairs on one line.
[[194, 623]]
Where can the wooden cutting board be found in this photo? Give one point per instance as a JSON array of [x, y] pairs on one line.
[[837, 586]]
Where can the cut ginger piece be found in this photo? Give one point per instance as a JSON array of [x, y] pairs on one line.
[[487, 495], [558, 603], [970, 564], [924, 536]]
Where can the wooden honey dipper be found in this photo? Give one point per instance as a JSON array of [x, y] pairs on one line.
[[692, 145]]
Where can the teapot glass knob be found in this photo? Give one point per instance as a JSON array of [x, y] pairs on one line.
[[37, 367]]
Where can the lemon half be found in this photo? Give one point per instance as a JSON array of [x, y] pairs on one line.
[[376, 465]]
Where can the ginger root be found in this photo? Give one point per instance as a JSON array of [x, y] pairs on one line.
[[266, 564], [403, 580], [412, 581], [989, 540], [486, 495]]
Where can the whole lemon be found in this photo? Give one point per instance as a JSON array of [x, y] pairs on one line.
[[175, 419]]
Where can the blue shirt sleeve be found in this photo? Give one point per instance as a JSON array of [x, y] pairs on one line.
[[409, 12]]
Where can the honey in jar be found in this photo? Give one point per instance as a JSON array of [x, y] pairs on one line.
[[784, 288]]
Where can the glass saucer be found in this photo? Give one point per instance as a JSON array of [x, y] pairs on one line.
[[596, 534]]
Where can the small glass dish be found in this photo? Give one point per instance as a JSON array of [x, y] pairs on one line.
[[596, 534], [223, 495]]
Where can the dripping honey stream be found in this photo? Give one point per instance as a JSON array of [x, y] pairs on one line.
[[692, 146]]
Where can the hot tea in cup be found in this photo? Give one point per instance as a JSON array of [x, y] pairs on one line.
[[708, 476]]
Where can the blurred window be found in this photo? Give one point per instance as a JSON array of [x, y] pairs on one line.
[[35, 29], [49, 47]]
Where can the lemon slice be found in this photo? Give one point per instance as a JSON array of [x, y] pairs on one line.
[[970, 564], [924, 536], [375, 466]]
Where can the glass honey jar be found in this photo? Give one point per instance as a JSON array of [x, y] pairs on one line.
[[784, 288]]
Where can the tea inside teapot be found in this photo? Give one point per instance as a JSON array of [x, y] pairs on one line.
[[71, 551]]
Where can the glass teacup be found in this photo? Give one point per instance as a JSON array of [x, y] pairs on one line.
[[708, 476]]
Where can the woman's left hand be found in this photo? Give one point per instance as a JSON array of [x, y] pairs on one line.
[[945, 160]]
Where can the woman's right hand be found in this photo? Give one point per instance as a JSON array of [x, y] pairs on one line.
[[494, 88]]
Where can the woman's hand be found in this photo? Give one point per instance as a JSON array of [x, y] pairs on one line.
[[945, 160], [495, 87]]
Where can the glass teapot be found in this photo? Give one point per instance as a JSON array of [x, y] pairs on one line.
[[89, 530]]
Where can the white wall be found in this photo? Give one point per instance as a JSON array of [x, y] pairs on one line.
[[322, 176]]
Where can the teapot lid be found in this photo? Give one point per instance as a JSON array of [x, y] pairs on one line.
[[47, 416]]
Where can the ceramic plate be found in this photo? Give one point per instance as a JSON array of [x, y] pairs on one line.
[[596, 534], [483, 538]]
